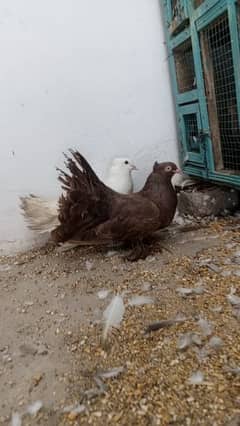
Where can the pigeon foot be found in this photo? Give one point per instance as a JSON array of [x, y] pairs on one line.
[[140, 251]]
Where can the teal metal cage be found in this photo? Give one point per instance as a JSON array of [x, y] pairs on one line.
[[203, 40]]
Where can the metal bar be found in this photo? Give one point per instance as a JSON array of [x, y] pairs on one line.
[[211, 13], [235, 42], [179, 39], [171, 65], [201, 90], [184, 98]]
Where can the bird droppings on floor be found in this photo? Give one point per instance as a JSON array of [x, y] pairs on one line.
[[55, 368]]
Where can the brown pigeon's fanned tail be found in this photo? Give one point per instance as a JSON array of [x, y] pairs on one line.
[[82, 174], [85, 203]]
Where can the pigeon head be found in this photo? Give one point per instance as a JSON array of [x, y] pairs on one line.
[[167, 169], [123, 165]]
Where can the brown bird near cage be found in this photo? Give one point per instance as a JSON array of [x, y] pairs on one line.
[[91, 213]]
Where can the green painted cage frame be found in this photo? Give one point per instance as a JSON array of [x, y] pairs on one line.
[[186, 22]]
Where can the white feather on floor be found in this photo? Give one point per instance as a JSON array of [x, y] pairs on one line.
[[113, 315]]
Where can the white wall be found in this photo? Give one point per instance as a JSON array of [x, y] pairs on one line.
[[91, 74]]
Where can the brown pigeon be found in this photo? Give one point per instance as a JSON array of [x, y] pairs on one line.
[[41, 214], [92, 213]]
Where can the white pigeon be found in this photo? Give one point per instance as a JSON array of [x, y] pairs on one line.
[[120, 175], [41, 214]]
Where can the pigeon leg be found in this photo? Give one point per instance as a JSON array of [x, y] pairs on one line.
[[139, 251], [155, 239], [162, 247]]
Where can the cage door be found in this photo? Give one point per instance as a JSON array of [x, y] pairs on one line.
[[192, 134], [221, 94]]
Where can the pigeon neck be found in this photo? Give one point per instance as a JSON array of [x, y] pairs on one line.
[[115, 171], [155, 182]]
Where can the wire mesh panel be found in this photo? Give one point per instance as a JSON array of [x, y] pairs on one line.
[[183, 57], [191, 132], [221, 93]]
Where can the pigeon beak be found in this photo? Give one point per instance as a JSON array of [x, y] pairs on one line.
[[133, 167], [177, 170]]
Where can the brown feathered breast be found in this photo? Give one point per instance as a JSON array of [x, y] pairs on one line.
[[91, 212]]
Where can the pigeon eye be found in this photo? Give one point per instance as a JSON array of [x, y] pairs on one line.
[[168, 168], [126, 162]]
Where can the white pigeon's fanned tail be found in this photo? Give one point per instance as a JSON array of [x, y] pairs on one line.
[[41, 215]]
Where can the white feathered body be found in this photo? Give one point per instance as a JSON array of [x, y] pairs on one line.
[[120, 180], [41, 214]]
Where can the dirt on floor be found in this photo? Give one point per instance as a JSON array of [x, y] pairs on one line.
[[55, 369]]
